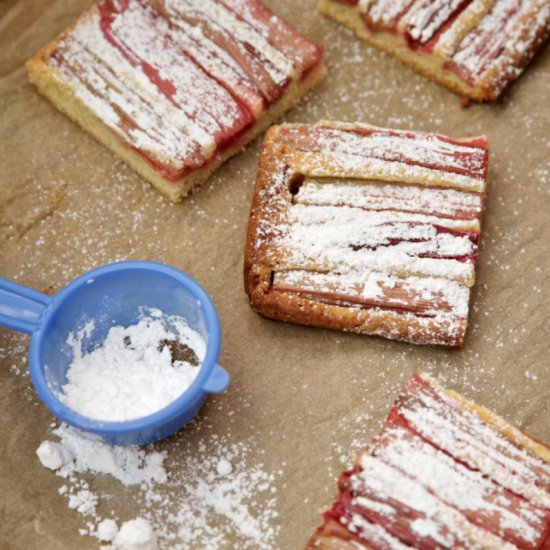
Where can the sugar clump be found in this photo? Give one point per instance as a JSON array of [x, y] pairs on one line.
[[53, 455], [224, 467], [106, 530], [136, 534]]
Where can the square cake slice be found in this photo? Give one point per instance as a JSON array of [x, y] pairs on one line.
[[443, 473], [366, 229], [474, 47], [175, 87]]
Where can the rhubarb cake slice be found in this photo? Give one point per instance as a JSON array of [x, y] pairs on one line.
[[474, 47], [175, 87], [366, 229], [443, 473]]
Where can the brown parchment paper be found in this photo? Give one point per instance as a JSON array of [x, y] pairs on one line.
[[303, 400]]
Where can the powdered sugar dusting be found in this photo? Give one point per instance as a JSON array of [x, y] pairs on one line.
[[357, 524], [279, 67], [428, 18], [451, 36], [384, 13], [411, 148], [70, 206], [413, 199], [437, 523], [204, 502], [433, 297], [147, 38], [501, 36], [161, 128], [483, 501], [494, 455]]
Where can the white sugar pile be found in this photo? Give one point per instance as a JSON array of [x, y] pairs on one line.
[[216, 497], [76, 453], [133, 373], [136, 534]]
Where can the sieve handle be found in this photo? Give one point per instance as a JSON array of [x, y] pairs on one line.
[[21, 307]]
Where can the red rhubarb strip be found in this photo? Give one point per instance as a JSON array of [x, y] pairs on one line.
[[203, 108], [486, 41], [384, 495], [364, 531], [384, 15], [446, 204], [250, 60], [427, 150], [379, 291], [129, 125], [217, 63], [430, 19], [481, 500], [468, 439], [439, 230], [279, 33]]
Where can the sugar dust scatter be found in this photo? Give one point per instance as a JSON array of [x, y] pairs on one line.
[[224, 500], [212, 500]]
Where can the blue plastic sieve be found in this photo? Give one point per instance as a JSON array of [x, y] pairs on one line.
[[113, 295]]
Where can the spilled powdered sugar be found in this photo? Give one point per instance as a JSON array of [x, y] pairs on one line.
[[206, 502], [77, 453]]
